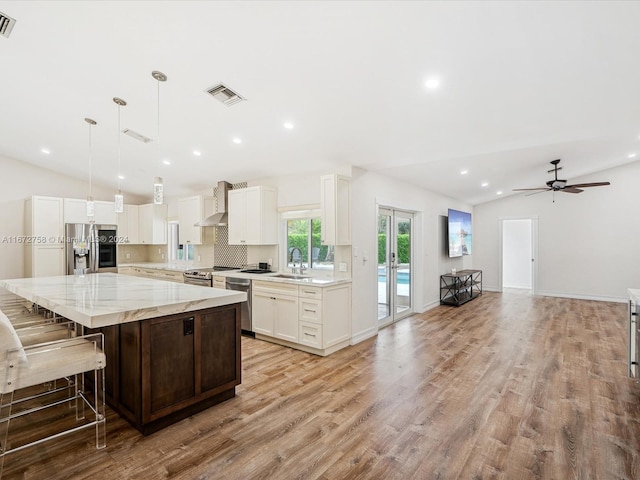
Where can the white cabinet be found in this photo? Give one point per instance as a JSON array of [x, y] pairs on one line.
[[335, 203], [128, 225], [105, 213], [253, 217], [275, 310], [44, 230], [190, 211], [322, 316], [152, 224], [75, 211]]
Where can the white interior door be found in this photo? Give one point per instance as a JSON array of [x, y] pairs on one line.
[[518, 253]]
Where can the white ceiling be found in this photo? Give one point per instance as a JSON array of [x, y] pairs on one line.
[[521, 83]]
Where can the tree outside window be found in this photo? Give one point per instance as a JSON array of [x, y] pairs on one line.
[[304, 234]]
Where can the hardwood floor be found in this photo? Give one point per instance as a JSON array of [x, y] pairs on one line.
[[508, 386]]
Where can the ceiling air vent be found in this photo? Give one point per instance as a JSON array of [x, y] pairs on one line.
[[136, 135], [224, 94], [6, 25]]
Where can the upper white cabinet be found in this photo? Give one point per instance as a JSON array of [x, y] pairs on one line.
[[335, 203], [44, 228], [190, 211], [253, 217], [128, 227], [75, 211], [105, 213], [152, 223]]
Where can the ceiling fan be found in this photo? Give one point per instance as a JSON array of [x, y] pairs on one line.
[[558, 185]]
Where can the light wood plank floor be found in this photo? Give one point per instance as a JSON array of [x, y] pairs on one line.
[[507, 386]]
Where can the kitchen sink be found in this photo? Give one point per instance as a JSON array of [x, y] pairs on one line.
[[294, 276]]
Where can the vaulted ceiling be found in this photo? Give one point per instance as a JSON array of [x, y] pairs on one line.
[[519, 84]]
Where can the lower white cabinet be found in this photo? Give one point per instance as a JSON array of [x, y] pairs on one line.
[[275, 310], [155, 273], [310, 318]]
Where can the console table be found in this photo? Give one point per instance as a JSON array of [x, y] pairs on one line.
[[460, 287]]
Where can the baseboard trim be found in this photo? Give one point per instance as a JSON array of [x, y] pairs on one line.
[[598, 298], [430, 305], [364, 335]]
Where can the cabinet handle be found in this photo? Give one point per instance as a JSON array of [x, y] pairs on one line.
[[308, 292], [309, 310], [309, 334]]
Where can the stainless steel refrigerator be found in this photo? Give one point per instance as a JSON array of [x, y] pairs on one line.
[[91, 248]]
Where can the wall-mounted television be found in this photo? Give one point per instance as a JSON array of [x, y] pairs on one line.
[[459, 233]]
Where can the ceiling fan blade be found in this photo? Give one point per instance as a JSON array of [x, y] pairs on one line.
[[571, 189], [583, 185], [539, 191], [525, 189]]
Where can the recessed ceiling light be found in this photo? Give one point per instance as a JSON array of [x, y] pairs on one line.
[[632, 155], [485, 184], [237, 140], [288, 125], [46, 151], [432, 83], [121, 177], [166, 162], [197, 153], [499, 192], [464, 172]]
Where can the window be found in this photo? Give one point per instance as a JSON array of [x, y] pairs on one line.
[[303, 244]]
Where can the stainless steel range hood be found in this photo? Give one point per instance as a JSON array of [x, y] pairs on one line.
[[218, 219]]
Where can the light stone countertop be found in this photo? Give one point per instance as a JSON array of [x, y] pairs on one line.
[[272, 277], [182, 267], [634, 293], [174, 266], [103, 299]]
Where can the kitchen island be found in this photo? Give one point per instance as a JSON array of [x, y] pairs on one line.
[[172, 349]]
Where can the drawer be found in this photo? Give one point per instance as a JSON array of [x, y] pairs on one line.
[[169, 275], [274, 287], [310, 310], [310, 292], [219, 282], [310, 334]]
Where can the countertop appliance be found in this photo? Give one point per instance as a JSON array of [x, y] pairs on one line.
[[91, 248], [204, 276], [259, 268]]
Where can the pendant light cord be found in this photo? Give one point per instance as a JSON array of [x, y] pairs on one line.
[[90, 161], [119, 106]]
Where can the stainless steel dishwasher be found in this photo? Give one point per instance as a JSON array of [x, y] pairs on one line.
[[243, 285]]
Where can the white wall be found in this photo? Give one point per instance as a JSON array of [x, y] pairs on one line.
[[430, 258], [367, 191], [588, 243], [20, 181], [516, 253]]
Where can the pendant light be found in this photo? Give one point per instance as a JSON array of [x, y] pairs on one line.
[[158, 187], [90, 204], [119, 198]]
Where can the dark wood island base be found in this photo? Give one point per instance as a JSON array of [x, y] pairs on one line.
[[162, 370]]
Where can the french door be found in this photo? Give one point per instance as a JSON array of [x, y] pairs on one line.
[[394, 265]]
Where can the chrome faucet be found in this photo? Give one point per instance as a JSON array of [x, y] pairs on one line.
[[293, 269]]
